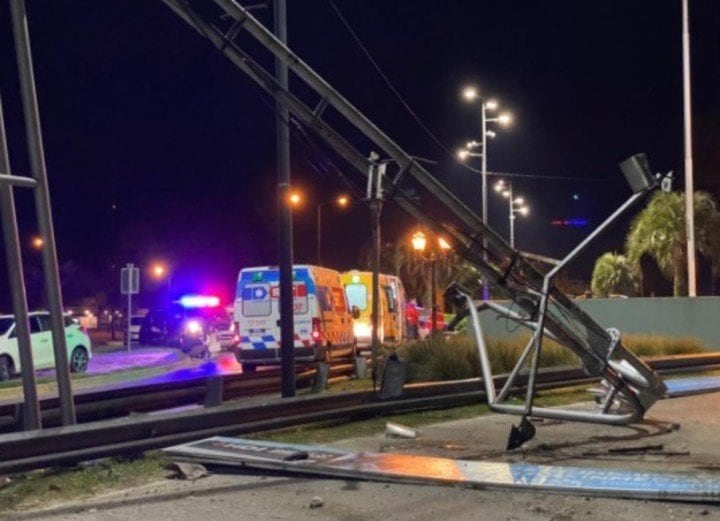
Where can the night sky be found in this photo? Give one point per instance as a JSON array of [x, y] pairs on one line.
[[158, 148]]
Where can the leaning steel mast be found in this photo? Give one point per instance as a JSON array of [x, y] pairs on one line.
[[538, 304]]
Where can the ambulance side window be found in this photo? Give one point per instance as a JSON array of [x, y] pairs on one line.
[[256, 300], [324, 298], [390, 299]]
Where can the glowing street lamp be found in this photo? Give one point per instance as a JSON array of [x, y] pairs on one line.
[[470, 94], [295, 199], [160, 271], [420, 243], [37, 242], [516, 205], [342, 201]]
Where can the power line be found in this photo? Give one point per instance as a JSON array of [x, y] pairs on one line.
[[387, 80]]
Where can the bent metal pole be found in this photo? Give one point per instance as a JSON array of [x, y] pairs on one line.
[[31, 406], [42, 207]]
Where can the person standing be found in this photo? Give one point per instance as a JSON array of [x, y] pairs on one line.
[[413, 318]]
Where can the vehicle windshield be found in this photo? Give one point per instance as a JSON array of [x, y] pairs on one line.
[[5, 324]]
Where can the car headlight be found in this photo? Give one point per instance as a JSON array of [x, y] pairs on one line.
[[361, 329], [193, 327]]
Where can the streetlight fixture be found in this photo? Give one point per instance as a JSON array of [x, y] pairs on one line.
[[432, 255], [160, 271], [470, 94], [504, 119], [37, 242], [295, 199], [516, 205], [341, 201]]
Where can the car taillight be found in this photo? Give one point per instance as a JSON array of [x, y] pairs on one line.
[[316, 329]]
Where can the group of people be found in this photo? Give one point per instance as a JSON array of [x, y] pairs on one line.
[[412, 317]]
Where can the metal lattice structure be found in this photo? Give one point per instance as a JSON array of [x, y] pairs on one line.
[[633, 387]]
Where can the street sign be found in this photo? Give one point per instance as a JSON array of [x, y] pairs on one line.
[[130, 280]]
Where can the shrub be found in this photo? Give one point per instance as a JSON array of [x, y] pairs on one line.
[[456, 357]]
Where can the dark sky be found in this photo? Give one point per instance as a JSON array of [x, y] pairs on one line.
[[140, 112]]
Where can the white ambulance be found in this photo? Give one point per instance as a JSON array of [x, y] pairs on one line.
[[323, 323]]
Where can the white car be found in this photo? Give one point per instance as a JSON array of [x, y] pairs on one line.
[[135, 323], [78, 344]]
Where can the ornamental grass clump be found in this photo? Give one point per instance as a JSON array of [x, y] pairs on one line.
[[456, 357]]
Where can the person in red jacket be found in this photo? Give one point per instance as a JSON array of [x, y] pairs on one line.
[[412, 315]]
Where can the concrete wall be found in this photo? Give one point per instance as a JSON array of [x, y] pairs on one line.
[[698, 317]]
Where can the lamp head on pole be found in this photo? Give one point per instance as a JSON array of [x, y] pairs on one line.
[[419, 241], [470, 93]]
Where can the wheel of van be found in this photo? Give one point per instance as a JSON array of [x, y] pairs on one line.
[[5, 368], [78, 360]]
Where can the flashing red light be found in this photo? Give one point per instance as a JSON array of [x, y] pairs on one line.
[[316, 329]]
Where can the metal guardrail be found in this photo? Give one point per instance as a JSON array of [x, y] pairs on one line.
[[133, 434]]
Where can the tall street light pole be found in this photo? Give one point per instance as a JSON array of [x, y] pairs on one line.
[[689, 184], [470, 94], [516, 205], [285, 257]]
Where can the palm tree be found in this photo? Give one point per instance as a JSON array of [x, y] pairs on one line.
[[613, 273], [659, 231]]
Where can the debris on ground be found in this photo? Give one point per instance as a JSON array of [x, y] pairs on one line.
[[397, 430], [316, 502], [188, 471]]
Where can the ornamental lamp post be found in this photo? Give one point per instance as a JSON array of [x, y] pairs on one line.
[[432, 255]]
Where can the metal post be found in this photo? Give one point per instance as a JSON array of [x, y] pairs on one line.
[[689, 184], [512, 217], [375, 209], [433, 297], [319, 234], [483, 173], [287, 323], [42, 208], [129, 305], [31, 406]]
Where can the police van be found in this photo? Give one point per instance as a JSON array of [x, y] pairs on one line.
[[323, 322], [358, 288]]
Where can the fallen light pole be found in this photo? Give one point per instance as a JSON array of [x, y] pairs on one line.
[[633, 386]]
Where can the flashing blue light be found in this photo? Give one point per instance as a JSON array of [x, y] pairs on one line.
[[199, 301]]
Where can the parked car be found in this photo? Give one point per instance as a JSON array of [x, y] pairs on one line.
[[135, 324], [189, 323], [78, 344]]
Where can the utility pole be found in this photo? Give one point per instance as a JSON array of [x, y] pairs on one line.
[[374, 198], [287, 323], [689, 184]]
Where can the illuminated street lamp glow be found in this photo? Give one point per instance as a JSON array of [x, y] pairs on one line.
[[444, 245], [419, 241], [343, 201], [295, 199], [491, 104], [505, 118], [470, 93], [37, 242], [524, 211], [158, 271], [463, 154]]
